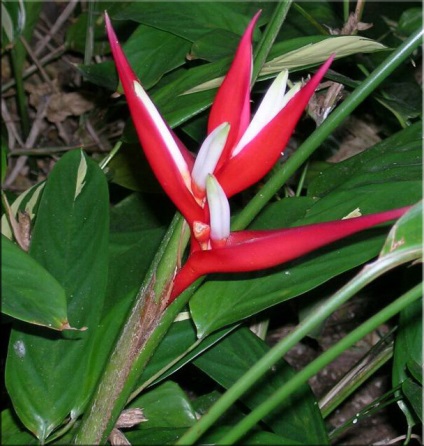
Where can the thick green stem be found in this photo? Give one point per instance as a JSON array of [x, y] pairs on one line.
[[367, 275], [272, 186], [147, 323]]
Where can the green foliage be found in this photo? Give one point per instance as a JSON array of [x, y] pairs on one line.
[[69, 240], [29, 292]]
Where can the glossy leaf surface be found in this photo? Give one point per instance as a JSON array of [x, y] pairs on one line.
[[69, 240], [29, 292]]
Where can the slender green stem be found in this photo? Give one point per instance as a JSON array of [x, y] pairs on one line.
[[89, 36], [268, 38], [390, 397], [318, 364], [20, 93], [379, 355], [345, 10], [367, 275], [105, 161], [329, 125], [311, 19]]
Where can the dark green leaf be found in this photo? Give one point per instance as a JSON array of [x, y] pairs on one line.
[[177, 341], [12, 21], [70, 239], [29, 292], [12, 431], [189, 20], [413, 392], [214, 45], [407, 232], [408, 342], [151, 53], [410, 20], [394, 161], [165, 406], [227, 361], [155, 437], [76, 35]]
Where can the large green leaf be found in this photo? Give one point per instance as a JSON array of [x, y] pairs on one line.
[[168, 412], [47, 372], [151, 53], [190, 20], [29, 292], [236, 354], [396, 159], [179, 340], [12, 431]]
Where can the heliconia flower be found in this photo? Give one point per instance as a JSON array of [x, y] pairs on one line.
[[238, 152], [256, 250]]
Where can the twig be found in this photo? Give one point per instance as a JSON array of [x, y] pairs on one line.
[[95, 136], [57, 25], [55, 53], [32, 137], [37, 63], [10, 125]]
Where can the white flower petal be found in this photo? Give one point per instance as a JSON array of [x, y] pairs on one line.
[[219, 210], [209, 155]]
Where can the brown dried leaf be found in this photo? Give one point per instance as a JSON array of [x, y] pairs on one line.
[[61, 104]]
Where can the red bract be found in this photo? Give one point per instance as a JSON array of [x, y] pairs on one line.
[[256, 250], [237, 152], [248, 151]]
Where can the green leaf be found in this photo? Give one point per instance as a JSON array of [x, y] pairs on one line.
[[392, 162], [236, 354], [13, 19], [76, 35], [165, 406], [70, 240], [151, 53], [29, 292], [318, 52], [406, 233], [413, 392], [12, 431], [187, 19], [408, 342], [410, 20], [177, 341]]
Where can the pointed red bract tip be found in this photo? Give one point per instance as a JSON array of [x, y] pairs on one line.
[[259, 156], [232, 101], [256, 250], [155, 136]]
